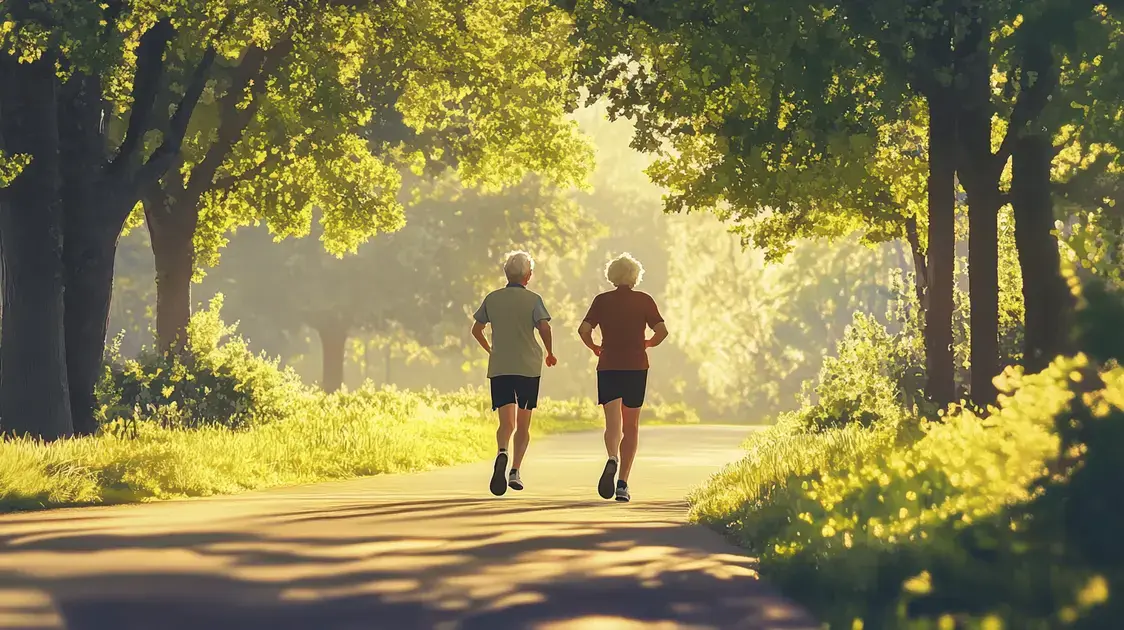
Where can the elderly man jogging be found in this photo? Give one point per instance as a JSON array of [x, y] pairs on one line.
[[623, 315], [514, 362]]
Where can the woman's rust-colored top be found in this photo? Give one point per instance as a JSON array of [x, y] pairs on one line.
[[624, 316]]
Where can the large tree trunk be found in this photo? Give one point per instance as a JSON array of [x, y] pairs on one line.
[[89, 242], [1046, 296], [983, 287], [89, 257], [941, 383], [171, 226], [333, 339], [34, 390]]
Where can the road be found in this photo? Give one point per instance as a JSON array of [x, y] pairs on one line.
[[427, 550]]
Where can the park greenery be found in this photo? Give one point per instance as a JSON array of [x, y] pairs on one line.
[[892, 229], [228, 420]]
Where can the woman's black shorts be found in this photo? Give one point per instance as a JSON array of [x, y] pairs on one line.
[[628, 385]]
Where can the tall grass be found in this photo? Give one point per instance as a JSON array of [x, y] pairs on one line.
[[996, 520], [222, 420], [367, 432]]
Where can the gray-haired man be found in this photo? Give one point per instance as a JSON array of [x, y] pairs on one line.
[[514, 362]]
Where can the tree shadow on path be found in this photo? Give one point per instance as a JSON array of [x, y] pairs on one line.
[[450, 563]]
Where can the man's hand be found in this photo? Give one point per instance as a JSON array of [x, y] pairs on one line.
[[551, 361], [596, 350], [478, 335]]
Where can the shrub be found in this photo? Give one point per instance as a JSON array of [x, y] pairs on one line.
[[216, 380], [1005, 520], [874, 377]]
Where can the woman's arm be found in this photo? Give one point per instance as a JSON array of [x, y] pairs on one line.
[[659, 333], [585, 331]]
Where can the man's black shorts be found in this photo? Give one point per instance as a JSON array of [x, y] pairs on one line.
[[628, 385], [509, 388]]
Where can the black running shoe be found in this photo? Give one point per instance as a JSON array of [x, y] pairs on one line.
[[622, 492], [499, 475], [608, 476]]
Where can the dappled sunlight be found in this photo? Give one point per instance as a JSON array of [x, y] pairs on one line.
[[467, 560], [27, 609]]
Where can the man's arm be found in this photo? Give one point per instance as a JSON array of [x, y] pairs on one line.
[[547, 342], [659, 333], [585, 331], [478, 333], [541, 317]]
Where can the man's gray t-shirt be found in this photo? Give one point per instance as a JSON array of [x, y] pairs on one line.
[[514, 312]]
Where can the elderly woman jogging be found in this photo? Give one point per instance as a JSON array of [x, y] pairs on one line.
[[514, 362], [623, 315]]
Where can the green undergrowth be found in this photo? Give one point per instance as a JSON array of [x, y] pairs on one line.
[[227, 421], [1005, 518]]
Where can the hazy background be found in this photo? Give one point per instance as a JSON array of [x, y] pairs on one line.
[[744, 334]]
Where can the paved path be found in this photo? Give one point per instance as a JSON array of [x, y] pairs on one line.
[[430, 550]]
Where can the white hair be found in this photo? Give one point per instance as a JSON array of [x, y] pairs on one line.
[[517, 265], [624, 271]]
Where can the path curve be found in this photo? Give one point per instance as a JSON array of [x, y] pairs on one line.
[[427, 550]]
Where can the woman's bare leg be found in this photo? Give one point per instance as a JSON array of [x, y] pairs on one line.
[[613, 430], [631, 425]]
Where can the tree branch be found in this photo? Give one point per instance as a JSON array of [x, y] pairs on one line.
[[146, 84], [256, 67], [225, 184], [168, 152], [112, 12], [1031, 101], [920, 263]]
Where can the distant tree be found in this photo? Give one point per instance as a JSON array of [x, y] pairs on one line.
[[417, 282], [754, 351]]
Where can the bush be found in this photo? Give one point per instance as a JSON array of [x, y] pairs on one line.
[[1005, 520], [874, 377], [215, 381]]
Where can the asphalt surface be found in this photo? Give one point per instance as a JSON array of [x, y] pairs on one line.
[[428, 550]]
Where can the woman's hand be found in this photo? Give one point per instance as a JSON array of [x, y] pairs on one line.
[[596, 350]]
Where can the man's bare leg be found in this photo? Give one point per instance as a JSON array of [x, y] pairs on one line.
[[522, 436], [507, 426], [498, 485], [631, 423]]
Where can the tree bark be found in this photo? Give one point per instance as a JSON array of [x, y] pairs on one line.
[[941, 253], [920, 266], [93, 219], [980, 171], [89, 257], [983, 289], [34, 389], [171, 226], [333, 339], [1046, 296]]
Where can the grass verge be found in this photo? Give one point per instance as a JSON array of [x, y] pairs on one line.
[[339, 436], [996, 520]]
